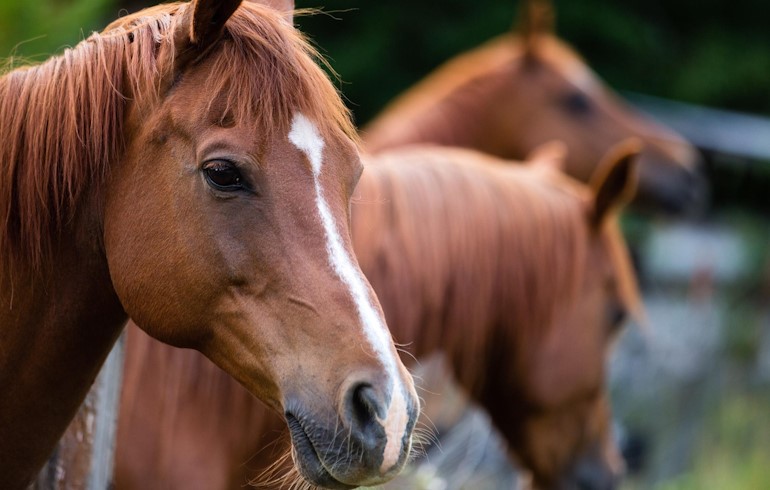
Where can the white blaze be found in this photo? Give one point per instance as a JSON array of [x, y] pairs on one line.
[[306, 137]]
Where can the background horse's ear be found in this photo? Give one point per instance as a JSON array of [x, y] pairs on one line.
[[535, 18], [551, 156], [614, 180], [284, 6]]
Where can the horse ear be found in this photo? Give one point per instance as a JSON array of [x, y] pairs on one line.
[[198, 30], [284, 6], [208, 20], [535, 18], [551, 156], [614, 181]]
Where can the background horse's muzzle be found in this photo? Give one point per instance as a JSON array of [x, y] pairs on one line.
[[674, 189], [592, 472]]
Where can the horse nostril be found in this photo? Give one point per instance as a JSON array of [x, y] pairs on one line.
[[363, 406], [364, 409]]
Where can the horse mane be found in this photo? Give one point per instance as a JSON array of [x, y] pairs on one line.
[[62, 122], [467, 255]]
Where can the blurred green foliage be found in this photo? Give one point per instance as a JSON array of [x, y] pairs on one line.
[[32, 31], [710, 52]]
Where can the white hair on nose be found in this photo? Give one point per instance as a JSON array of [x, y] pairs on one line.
[[306, 137]]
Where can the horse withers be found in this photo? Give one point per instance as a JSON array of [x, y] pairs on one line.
[[526, 88], [517, 274], [191, 167]]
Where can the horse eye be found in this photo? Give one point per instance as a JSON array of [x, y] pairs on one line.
[[223, 176], [617, 316], [577, 103]]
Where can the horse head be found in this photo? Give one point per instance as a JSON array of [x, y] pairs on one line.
[[226, 229], [566, 436], [573, 105], [529, 87]]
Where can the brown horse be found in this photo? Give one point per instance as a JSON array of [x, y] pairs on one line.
[[191, 167], [523, 89], [518, 274]]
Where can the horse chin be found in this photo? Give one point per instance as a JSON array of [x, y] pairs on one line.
[[307, 460]]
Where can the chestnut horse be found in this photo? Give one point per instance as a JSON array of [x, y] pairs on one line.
[[240, 248], [518, 274], [529, 87]]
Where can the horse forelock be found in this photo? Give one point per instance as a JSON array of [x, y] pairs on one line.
[[62, 122], [269, 72], [554, 237], [614, 245]]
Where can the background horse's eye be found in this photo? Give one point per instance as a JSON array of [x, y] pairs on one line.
[[617, 316], [577, 103], [223, 175]]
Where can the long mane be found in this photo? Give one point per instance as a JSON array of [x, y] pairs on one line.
[[62, 122], [462, 256]]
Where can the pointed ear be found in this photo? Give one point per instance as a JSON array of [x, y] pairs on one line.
[[613, 183], [551, 156], [286, 7], [535, 18], [208, 20], [201, 26]]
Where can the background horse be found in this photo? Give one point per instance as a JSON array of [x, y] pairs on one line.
[[518, 274], [526, 88], [192, 167]]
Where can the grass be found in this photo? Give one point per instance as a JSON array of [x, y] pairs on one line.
[[735, 450]]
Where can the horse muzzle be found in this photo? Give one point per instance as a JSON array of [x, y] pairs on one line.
[[592, 471], [360, 447], [672, 188]]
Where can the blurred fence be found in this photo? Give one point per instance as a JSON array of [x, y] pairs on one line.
[[736, 148]]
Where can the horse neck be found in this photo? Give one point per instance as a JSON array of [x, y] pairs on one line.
[[457, 118], [453, 106], [58, 326]]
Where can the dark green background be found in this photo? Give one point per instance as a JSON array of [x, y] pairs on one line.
[[710, 52]]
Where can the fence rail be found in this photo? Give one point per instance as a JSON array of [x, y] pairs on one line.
[[715, 130]]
